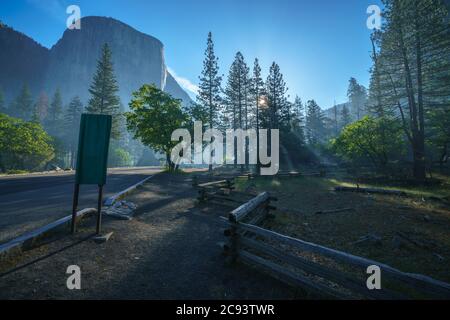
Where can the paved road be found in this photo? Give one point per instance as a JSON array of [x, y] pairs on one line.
[[31, 201]]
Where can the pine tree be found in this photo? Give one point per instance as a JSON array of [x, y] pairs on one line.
[[55, 115], [72, 118], [258, 92], [41, 108], [258, 96], [237, 96], [346, 119], [234, 92], [357, 96], [298, 122], [23, 105], [209, 87], [413, 61], [375, 103], [315, 127], [275, 116], [103, 90]]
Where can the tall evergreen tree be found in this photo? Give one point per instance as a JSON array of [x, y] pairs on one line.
[[23, 105], [258, 95], [357, 96], [72, 118], [209, 88], [298, 122], [103, 90], [315, 127], [275, 116], [413, 62], [346, 119], [335, 120], [236, 92], [237, 97], [55, 115], [41, 108]]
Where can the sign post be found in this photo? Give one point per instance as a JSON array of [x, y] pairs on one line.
[[92, 157]]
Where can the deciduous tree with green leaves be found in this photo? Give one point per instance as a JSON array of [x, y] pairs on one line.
[[364, 140], [23, 145], [153, 116]]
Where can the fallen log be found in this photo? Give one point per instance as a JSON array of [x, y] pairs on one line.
[[371, 190], [334, 211]]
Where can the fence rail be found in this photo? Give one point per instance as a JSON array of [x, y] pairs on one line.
[[245, 235], [214, 189]]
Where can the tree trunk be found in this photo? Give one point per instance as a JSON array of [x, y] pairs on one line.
[[418, 140], [170, 164]]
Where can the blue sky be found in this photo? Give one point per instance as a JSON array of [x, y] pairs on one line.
[[318, 44]]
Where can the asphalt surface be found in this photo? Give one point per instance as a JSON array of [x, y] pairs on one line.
[[31, 201]]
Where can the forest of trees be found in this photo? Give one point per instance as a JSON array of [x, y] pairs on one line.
[[399, 124], [246, 101], [409, 94], [58, 124]]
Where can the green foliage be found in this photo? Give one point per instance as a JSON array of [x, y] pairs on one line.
[[298, 153], [258, 89], [103, 90], [119, 157], [153, 117], [377, 140], [298, 120], [237, 94], [410, 76], [210, 82], [346, 118], [439, 137], [199, 113], [72, 118], [276, 115], [40, 109], [55, 113], [23, 145], [17, 171], [315, 126], [357, 95], [22, 106]]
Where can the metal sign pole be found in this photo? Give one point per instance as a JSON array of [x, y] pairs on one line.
[[74, 207], [99, 209]]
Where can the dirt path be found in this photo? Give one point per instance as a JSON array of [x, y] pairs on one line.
[[168, 251]]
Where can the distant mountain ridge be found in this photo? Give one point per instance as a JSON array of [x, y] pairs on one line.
[[71, 63]]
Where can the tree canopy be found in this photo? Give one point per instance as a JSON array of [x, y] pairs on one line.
[[153, 116]]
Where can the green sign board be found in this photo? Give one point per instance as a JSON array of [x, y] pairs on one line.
[[93, 145]]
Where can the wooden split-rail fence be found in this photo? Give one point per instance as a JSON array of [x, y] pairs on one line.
[[213, 190], [288, 174], [340, 275]]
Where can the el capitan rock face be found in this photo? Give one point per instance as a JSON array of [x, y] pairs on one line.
[[71, 63], [22, 60]]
